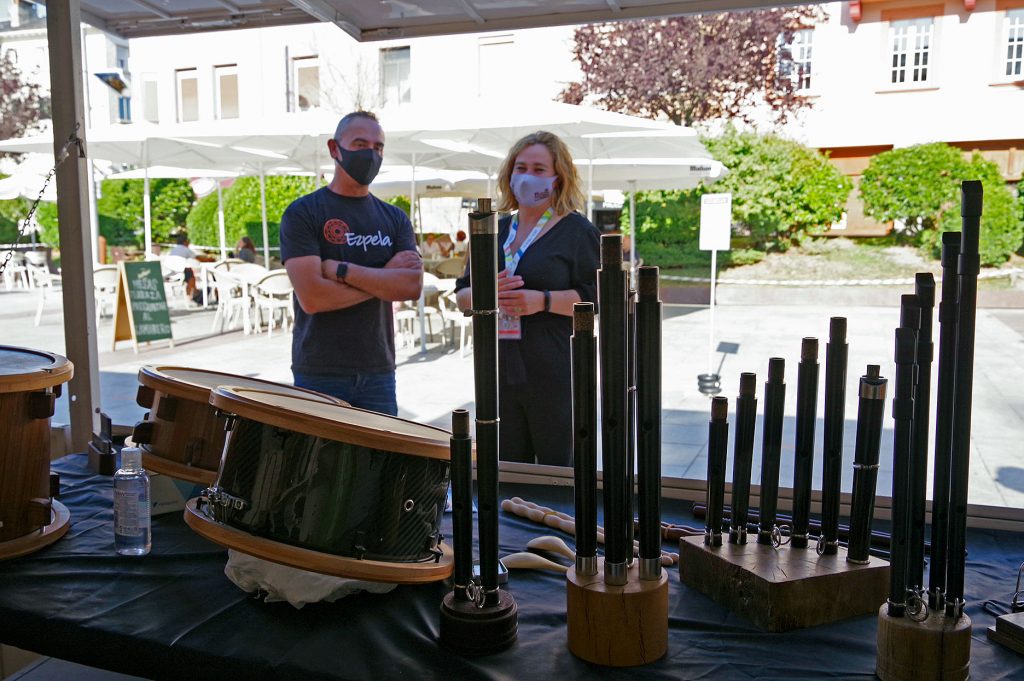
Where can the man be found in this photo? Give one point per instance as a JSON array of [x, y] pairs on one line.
[[349, 255], [181, 247]]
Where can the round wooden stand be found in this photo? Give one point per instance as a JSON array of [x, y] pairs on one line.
[[472, 631], [317, 561], [936, 649], [617, 626], [60, 519]]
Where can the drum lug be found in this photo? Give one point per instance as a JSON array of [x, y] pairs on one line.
[[217, 496], [166, 408], [40, 405], [229, 419], [144, 397], [142, 434]]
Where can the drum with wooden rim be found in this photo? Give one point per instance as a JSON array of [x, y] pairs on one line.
[[30, 382], [328, 488], [182, 435]]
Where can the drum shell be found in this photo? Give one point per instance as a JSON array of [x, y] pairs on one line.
[[330, 496], [24, 464], [185, 431]]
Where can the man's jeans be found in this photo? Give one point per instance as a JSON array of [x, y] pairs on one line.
[[375, 392]]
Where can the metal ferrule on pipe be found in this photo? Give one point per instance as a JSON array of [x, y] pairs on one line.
[[718, 445], [806, 417], [870, 418], [648, 393], [836, 351], [585, 432], [611, 289], [771, 447], [743, 456], [483, 270]]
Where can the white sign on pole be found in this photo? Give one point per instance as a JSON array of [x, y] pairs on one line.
[[715, 222]]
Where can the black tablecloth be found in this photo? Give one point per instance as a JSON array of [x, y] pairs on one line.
[[173, 614]]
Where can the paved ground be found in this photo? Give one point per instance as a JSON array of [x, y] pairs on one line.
[[433, 383]]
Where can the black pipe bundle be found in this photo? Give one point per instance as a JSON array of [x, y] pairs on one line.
[[832, 449], [743, 456], [584, 441], [483, 270], [462, 503], [870, 416], [771, 447], [944, 418], [648, 396], [718, 445], [806, 415], [924, 291], [903, 436], [967, 271], [611, 294]]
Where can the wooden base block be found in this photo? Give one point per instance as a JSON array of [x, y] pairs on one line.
[[617, 626], [785, 588], [937, 649]]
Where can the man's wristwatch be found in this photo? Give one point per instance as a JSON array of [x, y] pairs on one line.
[[547, 301], [341, 272]]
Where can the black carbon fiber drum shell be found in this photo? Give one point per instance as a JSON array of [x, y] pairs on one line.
[[331, 496]]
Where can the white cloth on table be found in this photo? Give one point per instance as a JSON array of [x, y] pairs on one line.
[[298, 587]]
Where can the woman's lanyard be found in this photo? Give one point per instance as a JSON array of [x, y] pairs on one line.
[[512, 260]]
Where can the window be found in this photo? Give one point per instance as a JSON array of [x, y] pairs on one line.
[[225, 83], [798, 67], [497, 60], [1014, 42], [305, 83], [394, 76], [910, 46], [150, 103], [187, 81]]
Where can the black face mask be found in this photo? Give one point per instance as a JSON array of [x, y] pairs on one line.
[[361, 165]]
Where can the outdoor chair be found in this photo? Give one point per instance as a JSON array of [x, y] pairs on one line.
[[453, 267], [16, 271], [41, 278], [455, 318], [173, 269], [271, 293], [230, 299], [226, 264], [104, 282], [405, 323]]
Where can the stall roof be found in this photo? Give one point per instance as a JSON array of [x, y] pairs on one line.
[[383, 20]]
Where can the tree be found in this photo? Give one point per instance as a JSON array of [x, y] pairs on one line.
[[242, 212], [121, 215], [21, 102], [692, 68]]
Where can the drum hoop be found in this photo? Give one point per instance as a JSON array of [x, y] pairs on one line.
[[227, 399], [318, 561], [179, 471], [61, 371], [155, 377]]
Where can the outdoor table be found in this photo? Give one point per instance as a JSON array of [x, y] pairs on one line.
[[173, 614]]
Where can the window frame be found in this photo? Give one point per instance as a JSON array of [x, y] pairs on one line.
[[295, 65], [910, 52], [405, 98], [178, 78], [1003, 46]]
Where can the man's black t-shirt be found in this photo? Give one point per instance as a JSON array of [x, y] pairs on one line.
[[363, 231]]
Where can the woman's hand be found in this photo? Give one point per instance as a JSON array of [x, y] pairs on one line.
[[520, 302]]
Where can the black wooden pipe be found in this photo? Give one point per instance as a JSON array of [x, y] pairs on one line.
[[967, 270], [718, 446], [806, 417], [648, 394], [924, 291], [743, 456], [462, 502], [870, 418], [771, 447], [832, 448], [585, 434]]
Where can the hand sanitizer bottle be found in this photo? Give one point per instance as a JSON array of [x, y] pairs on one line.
[[132, 533]]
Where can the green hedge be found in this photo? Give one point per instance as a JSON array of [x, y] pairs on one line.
[[242, 215]]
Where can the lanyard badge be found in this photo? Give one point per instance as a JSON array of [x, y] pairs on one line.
[[510, 327]]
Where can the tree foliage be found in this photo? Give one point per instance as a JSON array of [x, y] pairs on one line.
[[121, 212], [692, 68], [21, 102], [920, 186]]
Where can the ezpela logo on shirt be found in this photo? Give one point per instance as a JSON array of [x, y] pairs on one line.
[[338, 232]]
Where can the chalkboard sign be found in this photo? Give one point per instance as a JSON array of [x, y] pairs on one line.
[[141, 313]]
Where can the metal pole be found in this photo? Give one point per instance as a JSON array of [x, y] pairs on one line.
[[147, 212], [263, 215], [63, 29], [220, 222], [590, 181], [711, 309]]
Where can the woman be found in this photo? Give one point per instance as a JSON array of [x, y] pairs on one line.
[[551, 256], [245, 249]]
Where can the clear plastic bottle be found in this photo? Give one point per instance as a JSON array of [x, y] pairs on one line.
[[132, 532]]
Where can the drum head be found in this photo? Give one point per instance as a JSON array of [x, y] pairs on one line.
[[334, 421], [196, 384], [22, 369]]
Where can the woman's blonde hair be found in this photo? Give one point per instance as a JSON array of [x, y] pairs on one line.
[[568, 196]]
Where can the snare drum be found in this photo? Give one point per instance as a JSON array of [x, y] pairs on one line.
[[30, 382], [328, 488], [182, 436]]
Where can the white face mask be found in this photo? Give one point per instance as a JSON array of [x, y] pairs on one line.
[[531, 190]]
